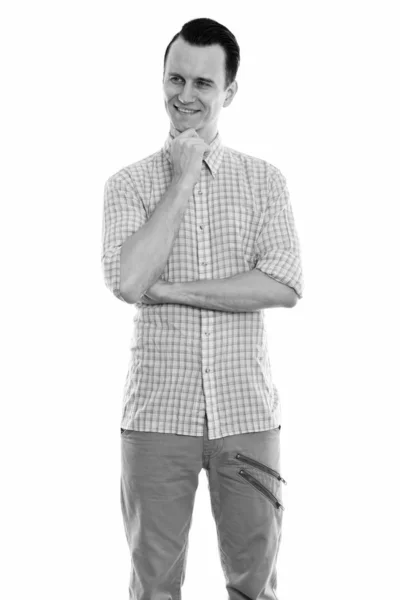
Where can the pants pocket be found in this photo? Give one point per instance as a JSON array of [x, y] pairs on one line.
[[261, 488], [259, 465]]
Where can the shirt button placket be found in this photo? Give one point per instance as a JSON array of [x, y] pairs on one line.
[[207, 319]]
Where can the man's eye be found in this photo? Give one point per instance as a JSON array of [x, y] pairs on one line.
[[175, 79], [203, 83]]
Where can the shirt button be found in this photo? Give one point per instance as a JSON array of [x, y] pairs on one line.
[[204, 264], [201, 227], [207, 370], [200, 192]]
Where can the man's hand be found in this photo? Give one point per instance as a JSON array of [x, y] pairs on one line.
[[187, 152], [156, 294]]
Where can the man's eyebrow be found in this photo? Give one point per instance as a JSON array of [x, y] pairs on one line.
[[197, 78]]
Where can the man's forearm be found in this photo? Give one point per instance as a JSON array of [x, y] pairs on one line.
[[245, 292], [145, 252]]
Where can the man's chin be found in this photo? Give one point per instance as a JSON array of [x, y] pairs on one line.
[[178, 129]]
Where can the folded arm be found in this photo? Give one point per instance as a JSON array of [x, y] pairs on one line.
[[245, 292]]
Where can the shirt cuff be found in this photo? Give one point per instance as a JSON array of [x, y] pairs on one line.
[[285, 267], [111, 271]]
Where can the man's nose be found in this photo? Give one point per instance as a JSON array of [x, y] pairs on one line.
[[186, 95]]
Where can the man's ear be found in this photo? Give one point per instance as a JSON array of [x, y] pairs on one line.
[[231, 93]]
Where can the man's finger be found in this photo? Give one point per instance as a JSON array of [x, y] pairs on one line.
[[191, 132]]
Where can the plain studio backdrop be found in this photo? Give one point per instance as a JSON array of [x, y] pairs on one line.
[[82, 98]]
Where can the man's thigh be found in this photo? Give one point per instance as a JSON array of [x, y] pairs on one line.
[[159, 478], [246, 496]]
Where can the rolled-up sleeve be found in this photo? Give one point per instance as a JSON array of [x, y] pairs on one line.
[[278, 246], [123, 214]]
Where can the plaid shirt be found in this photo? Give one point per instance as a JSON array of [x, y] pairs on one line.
[[185, 360]]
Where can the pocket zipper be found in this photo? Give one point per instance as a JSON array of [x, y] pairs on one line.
[[261, 466], [253, 481]]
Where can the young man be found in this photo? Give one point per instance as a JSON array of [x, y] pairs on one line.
[[200, 238]]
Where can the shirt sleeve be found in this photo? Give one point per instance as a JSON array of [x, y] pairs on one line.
[[278, 247], [123, 214]]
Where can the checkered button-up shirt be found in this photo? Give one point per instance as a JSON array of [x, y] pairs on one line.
[[186, 361]]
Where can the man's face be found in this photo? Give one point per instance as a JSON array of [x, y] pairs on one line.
[[194, 80]]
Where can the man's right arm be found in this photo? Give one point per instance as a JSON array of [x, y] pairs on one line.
[[145, 253]]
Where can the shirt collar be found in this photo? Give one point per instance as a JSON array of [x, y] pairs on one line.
[[212, 159]]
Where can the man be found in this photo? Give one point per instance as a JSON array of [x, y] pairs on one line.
[[201, 238]]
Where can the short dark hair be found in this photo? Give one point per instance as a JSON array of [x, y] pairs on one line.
[[205, 32]]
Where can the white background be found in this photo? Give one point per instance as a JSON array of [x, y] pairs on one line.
[[82, 98]]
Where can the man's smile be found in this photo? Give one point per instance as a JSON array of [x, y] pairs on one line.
[[186, 111]]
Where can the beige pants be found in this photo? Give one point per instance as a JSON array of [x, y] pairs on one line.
[[159, 478]]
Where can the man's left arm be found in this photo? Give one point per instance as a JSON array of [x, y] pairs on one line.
[[245, 292]]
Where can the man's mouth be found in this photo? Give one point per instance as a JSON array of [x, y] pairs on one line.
[[186, 111]]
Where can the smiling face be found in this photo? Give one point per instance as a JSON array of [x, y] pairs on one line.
[[194, 82]]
